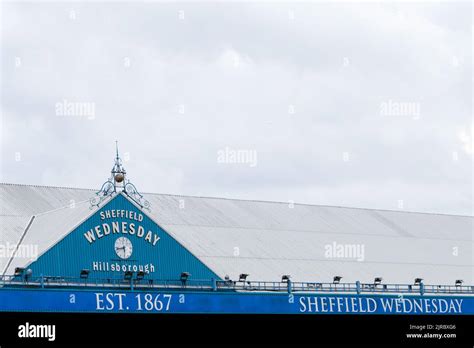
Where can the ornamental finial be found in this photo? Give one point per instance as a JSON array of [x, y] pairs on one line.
[[118, 171], [116, 182], [116, 149]]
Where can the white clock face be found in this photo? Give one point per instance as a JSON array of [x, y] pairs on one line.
[[123, 247]]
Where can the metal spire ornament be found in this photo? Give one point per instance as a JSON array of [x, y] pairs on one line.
[[118, 182]]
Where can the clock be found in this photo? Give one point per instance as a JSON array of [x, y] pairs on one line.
[[123, 247]]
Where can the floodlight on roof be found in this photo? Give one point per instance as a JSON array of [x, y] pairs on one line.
[[337, 279], [418, 281], [184, 277], [19, 271], [84, 273], [243, 277]]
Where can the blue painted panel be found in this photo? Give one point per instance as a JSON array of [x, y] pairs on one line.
[[103, 301], [93, 245]]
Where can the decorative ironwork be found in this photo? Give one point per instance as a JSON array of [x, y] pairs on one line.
[[118, 182], [131, 191], [106, 190]]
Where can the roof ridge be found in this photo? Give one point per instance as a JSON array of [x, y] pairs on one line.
[[48, 186], [308, 204], [257, 201]]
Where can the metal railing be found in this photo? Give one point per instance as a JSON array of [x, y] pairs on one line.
[[60, 282], [229, 285]]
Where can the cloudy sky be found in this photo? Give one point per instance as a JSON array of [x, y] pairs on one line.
[[352, 104]]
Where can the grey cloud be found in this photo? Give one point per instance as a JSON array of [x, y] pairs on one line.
[[236, 69]]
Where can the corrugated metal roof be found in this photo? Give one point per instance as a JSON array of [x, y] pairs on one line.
[[47, 229], [26, 200], [269, 239]]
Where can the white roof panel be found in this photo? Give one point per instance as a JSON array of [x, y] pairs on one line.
[[269, 239]]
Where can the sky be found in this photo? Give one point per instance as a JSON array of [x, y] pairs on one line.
[[357, 104]]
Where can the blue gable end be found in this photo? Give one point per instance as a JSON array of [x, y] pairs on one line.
[[119, 237]]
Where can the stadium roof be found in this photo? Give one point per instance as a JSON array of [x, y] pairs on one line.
[[264, 239]]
